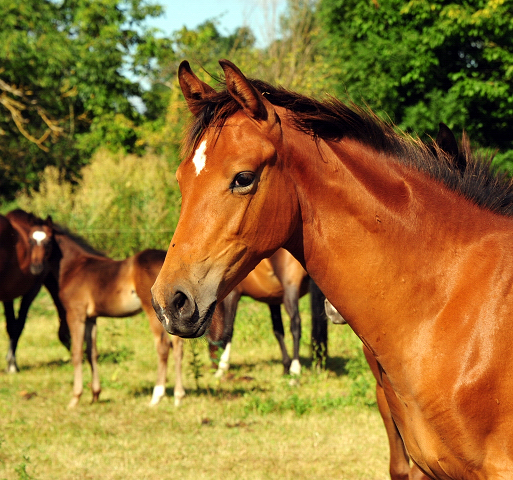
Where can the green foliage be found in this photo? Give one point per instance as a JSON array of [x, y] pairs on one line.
[[421, 62], [363, 385], [196, 365], [121, 204], [21, 470], [503, 162], [61, 78]]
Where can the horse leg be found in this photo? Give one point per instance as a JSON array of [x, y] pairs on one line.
[[179, 391], [291, 303], [215, 334], [15, 325], [77, 329], [319, 326], [92, 356], [52, 286], [399, 466], [225, 314], [279, 333], [162, 345], [14, 333]]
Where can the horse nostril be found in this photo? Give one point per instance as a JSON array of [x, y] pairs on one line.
[[180, 302]]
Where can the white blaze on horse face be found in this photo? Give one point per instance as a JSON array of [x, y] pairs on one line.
[[39, 236], [200, 158]]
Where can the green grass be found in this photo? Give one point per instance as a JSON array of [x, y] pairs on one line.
[[250, 425]]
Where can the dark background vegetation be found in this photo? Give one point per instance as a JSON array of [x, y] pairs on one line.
[[83, 139]]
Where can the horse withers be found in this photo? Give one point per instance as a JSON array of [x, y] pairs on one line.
[[415, 255]]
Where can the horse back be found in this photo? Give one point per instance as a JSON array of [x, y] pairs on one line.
[[98, 286]]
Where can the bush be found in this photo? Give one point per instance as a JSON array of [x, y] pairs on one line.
[[122, 204]]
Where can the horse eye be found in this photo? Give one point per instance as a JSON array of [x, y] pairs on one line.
[[243, 182]]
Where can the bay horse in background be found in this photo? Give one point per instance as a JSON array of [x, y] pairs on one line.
[[93, 285], [275, 280], [415, 254], [25, 250]]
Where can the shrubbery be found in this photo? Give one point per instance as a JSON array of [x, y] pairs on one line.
[[122, 204]]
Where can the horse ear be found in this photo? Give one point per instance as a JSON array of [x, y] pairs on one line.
[[49, 221], [192, 87], [446, 140], [243, 92]]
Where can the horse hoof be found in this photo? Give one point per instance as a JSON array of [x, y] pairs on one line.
[[74, 402], [159, 392], [12, 368], [295, 368]]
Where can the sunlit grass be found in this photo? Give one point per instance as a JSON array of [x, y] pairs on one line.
[[250, 425]]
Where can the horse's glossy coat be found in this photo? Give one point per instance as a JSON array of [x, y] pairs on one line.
[[417, 257]]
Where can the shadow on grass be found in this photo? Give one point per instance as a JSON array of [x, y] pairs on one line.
[[57, 363], [337, 365], [219, 392]]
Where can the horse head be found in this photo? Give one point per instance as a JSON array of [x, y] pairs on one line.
[[231, 185], [40, 244]]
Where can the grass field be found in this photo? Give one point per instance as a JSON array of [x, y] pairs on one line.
[[250, 425]]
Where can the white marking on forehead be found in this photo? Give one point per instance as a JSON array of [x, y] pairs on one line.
[[200, 158], [39, 236]]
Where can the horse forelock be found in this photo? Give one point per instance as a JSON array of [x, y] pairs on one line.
[[332, 120]]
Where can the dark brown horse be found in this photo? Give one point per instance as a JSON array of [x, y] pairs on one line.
[[415, 255], [25, 249], [93, 285], [276, 280]]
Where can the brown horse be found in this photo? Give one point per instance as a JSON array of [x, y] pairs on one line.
[[276, 280], [399, 465], [92, 285], [416, 255], [25, 249]]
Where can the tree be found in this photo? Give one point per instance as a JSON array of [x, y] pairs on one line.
[[426, 61], [64, 84], [166, 110]]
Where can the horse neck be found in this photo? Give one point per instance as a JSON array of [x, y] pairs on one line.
[[379, 237], [71, 253]]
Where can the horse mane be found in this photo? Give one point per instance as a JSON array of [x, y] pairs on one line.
[[81, 242], [332, 120]]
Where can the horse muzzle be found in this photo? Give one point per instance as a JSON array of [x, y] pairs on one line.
[[182, 316], [36, 268]]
